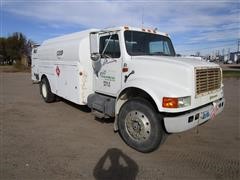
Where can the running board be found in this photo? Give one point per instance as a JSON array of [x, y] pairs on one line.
[[102, 106]]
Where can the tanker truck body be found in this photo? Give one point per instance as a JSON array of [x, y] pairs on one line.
[[133, 75]]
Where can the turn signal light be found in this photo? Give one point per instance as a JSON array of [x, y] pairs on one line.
[[169, 102]]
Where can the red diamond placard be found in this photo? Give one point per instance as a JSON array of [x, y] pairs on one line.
[[57, 71]]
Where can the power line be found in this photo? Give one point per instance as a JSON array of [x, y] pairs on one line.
[[211, 47], [197, 42]]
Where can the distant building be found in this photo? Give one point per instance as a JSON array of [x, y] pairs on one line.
[[235, 56], [226, 57]]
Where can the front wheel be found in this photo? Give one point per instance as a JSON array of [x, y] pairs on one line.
[[140, 125]]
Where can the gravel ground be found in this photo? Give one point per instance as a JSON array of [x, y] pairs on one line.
[[65, 141]]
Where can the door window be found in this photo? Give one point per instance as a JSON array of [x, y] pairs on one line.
[[109, 46]]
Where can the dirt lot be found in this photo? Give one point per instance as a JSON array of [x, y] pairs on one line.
[[63, 141]]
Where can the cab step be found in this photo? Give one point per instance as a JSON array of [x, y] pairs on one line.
[[98, 114]]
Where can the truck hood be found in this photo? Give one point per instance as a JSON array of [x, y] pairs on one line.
[[173, 73], [178, 61]]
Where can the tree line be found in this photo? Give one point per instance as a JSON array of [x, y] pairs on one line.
[[14, 47]]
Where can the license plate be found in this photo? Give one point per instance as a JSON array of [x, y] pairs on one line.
[[214, 110], [206, 114]]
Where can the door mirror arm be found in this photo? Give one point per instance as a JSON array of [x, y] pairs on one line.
[[95, 56]]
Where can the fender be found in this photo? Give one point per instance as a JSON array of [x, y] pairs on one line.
[[152, 87]]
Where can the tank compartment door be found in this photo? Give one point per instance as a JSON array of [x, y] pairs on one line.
[[34, 65]]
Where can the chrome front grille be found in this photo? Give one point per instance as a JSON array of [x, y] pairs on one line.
[[207, 80]]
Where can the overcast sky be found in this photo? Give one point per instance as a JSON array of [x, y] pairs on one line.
[[204, 26]]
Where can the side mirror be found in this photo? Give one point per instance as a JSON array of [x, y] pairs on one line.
[[95, 56], [94, 45]]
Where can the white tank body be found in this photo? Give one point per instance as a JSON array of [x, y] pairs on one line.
[[66, 63]]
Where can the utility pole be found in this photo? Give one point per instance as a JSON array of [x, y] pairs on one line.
[[223, 55], [228, 53], [238, 44]]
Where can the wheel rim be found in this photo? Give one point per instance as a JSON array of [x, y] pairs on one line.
[[137, 126], [44, 90]]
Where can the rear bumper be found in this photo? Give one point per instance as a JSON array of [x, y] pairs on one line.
[[193, 118]]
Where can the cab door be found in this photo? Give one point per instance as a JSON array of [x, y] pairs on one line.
[[108, 77]]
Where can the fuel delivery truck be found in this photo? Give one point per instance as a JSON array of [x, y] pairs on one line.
[[133, 75]]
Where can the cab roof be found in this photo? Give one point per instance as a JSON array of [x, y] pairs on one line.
[[148, 30]]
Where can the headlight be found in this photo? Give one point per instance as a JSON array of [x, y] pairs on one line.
[[180, 102], [184, 101]]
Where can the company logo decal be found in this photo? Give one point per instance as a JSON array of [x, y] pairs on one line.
[[106, 77]]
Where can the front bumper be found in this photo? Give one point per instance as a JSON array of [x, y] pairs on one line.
[[193, 118]]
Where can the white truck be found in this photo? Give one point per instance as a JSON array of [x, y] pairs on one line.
[[131, 74]]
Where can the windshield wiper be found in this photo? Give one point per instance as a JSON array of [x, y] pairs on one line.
[[157, 53]]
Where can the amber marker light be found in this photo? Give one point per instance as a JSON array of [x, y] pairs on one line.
[[125, 69], [169, 102]]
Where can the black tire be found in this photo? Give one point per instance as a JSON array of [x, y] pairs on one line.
[[45, 91], [139, 115]]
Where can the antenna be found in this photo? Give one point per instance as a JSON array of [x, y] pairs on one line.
[[142, 16], [228, 53]]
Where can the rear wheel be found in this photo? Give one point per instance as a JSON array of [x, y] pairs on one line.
[[140, 125], [45, 91]]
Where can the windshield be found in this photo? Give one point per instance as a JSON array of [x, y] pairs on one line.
[[142, 43]]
